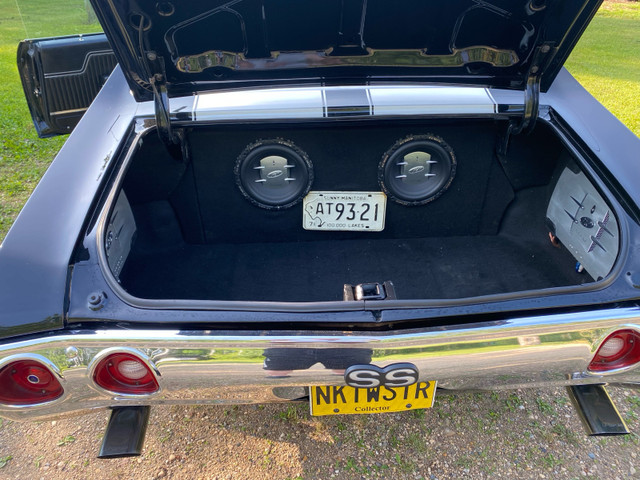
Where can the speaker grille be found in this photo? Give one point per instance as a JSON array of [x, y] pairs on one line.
[[273, 174], [417, 169]]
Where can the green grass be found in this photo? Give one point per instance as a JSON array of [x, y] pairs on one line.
[[67, 440], [606, 62], [23, 156]]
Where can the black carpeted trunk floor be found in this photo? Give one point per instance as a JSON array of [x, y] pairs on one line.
[[420, 268]]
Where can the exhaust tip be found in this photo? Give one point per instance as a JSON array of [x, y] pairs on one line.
[[598, 414], [125, 432]]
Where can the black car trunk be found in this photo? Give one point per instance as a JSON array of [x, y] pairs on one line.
[[199, 238]]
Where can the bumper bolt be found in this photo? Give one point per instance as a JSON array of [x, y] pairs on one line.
[[97, 300], [71, 352]]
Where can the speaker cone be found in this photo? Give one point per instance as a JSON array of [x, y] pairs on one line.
[[273, 174], [417, 169]]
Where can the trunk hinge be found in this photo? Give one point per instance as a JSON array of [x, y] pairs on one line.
[[525, 124], [173, 139]]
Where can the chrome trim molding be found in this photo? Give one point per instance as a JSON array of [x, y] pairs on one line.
[[310, 59], [85, 64], [210, 367]]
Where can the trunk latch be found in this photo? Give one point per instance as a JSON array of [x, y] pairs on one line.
[[369, 291]]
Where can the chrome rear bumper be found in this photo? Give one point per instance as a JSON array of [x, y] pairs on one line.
[[212, 367]]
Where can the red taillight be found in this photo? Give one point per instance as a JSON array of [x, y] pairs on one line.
[[125, 373], [28, 382], [620, 349]]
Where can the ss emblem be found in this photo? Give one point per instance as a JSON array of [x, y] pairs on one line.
[[370, 376]]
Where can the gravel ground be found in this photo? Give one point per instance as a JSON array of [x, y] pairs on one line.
[[529, 434]]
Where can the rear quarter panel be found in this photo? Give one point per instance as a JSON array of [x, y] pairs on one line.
[[34, 257]]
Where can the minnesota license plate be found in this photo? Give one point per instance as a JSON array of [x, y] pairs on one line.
[[350, 211], [343, 400]]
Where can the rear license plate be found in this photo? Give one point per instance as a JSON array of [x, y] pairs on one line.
[[343, 400], [350, 211]]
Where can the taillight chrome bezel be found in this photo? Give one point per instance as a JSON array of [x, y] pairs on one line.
[[633, 329], [48, 364], [93, 365]]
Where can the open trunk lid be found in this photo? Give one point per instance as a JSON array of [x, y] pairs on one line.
[[186, 47]]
